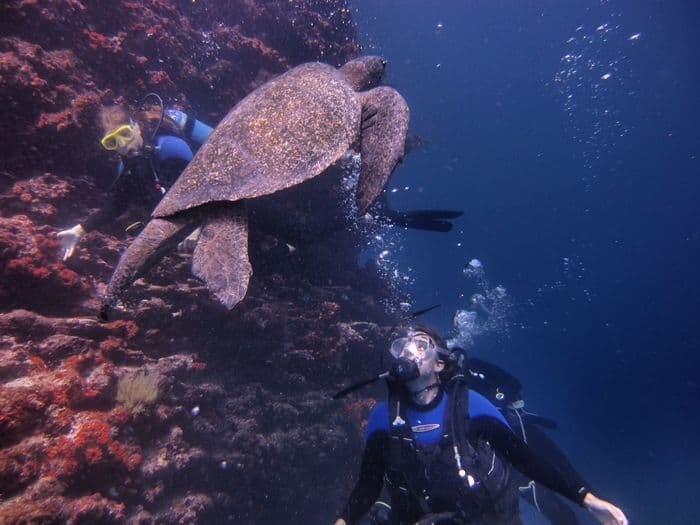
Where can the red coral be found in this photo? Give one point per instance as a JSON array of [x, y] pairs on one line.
[[61, 458], [96, 39], [80, 362], [36, 362], [59, 396], [93, 433], [91, 393], [111, 345], [93, 454], [199, 366], [61, 419], [130, 457], [59, 120], [118, 416], [21, 409], [159, 77], [69, 278], [127, 329]]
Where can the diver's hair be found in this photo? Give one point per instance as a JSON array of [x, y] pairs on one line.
[[148, 119], [110, 117], [434, 335], [456, 363], [455, 359]]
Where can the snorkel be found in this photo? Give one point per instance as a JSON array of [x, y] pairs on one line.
[[162, 113], [402, 370]]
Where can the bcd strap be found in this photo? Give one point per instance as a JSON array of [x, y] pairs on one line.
[[403, 454], [151, 152], [456, 420], [457, 423]]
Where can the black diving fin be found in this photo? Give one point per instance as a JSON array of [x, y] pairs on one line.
[[430, 220]]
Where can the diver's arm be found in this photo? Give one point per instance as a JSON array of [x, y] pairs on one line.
[[539, 441], [369, 485], [193, 129], [523, 458], [119, 195]]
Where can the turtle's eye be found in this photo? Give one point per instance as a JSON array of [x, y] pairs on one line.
[[383, 63]]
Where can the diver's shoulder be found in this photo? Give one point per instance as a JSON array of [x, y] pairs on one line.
[[378, 418], [480, 405], [163, 138], [380, 410]]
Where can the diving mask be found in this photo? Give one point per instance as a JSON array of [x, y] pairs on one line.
[[416, 344], [119, 137]]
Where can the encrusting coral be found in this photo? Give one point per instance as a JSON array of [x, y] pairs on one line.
[[136, 392]]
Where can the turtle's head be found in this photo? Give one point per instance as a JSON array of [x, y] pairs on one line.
[[364, 72]]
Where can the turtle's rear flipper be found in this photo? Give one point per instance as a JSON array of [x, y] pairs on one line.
[[220, 258], [159, 236], [385, 117]]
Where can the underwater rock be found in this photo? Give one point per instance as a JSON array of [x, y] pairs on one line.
[[30, 273], [266, 442], [262, 398]]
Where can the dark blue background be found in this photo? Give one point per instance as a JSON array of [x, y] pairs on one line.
[[613, 353]]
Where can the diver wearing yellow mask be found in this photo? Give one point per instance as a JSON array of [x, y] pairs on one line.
[[147, 167], [127, 136]]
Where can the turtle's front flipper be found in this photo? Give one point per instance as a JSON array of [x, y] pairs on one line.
[[221, 256], [385, 117], [159, 236]]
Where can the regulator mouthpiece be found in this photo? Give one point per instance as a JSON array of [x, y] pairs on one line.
[[403, 370]]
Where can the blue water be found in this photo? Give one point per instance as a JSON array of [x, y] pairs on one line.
[[580, 196]]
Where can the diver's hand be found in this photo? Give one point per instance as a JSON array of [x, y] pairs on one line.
[[69, 239], [604, 511], [340, 521], [178, 117]]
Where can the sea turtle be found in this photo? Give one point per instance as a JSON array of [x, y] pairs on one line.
[[288, 130]]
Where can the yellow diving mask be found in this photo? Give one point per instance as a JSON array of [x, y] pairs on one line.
[[118, 137]]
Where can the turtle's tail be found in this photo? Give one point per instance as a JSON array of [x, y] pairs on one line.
[[159, 236]]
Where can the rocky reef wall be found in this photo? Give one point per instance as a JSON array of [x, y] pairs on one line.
[[178, 411]]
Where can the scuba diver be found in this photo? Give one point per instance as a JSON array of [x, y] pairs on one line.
[[505, 391], [153, 152], [444, 451]]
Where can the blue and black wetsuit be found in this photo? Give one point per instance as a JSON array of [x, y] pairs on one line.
[[491, 437], [142, 180], [505, 391]]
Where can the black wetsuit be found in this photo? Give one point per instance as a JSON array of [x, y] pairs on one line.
[[503, 389], [485, 424], [143, 179]]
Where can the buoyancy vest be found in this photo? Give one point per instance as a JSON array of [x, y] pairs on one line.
[[460, 474]]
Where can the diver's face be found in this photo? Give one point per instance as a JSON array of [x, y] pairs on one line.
[[421, 349], [133, 146]]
